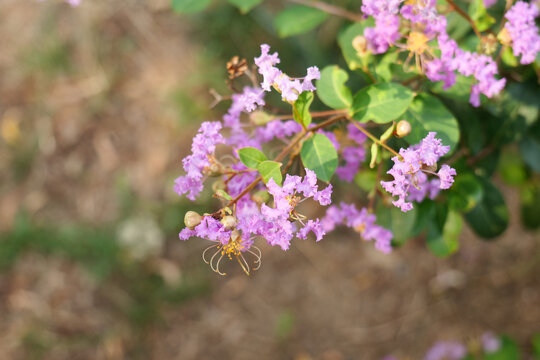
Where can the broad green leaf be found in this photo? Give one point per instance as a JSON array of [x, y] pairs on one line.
[[425, 212], [508, 350], [245, 5], [251, 157], [298, 19], [466, 192], [489, 218], [301, 108], [530, 206], [444, 241], [366, 179], [400, 223], [512, 169], [331, 88], [319, 154], [480, 16], [426, 113], [530, 147], [345, 39], [460, 91], [270, 170], [189, 6], [381, 103]]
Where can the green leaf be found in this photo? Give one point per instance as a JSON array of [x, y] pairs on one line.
[[381, 103], [301, 108], [319, 154], [530, 206], [480, 16], [345, 39], [331, 88], [536, 345], [245, 5], [444, 241], [298, 19], [251, 157], [270, 170], [489, 218], [530, 147], [400, 223], [426, 113], [466, 192], [507, 351], [189, 6], [512, 169]]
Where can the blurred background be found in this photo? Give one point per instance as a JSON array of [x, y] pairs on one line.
[[98, 105]]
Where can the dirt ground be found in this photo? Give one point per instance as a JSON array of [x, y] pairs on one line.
[[90, 91]]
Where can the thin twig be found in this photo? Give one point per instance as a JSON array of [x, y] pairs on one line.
[[465, 16], [372, 137], [286, 151], [330, 9]]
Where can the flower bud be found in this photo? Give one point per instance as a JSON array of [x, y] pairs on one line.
[[489, 44], [403, 128], [504, 37], [229, 222], [260, 117], [216, 169], [359, 44], [260, 196], [192, 219]]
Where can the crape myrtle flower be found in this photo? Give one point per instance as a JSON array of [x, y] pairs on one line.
[[290, 88], [489, 3], [286, 198], [523, 31], [386, 30], [361, 221], [276, 129], [446, 350], [200, 160], [490, 342], [409, 167]]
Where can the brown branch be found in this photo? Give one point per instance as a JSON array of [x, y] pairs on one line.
[[372, 137], [330, 9], [285, 151], [465, 16]]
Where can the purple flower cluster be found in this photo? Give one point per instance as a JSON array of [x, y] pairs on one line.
[[276, 224], [273, 77], [490, 342], [446, 350], [361, 221], [409, 172], [386, 30], [523, 30], [423, 15], [353, 155], [481, 67], [201, 158]]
